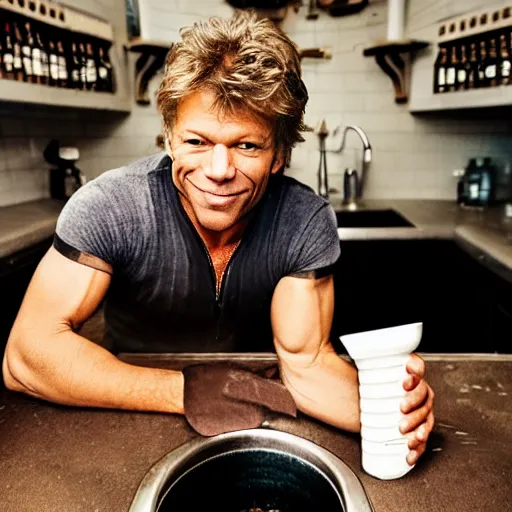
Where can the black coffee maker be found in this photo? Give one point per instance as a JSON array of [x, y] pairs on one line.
[[477, 186], [66, 178]]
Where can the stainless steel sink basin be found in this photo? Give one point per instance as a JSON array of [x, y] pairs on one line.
[[250, 469], [387, 218]]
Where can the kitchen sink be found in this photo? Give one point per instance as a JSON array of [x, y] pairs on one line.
[[387, 218], [259, 469]]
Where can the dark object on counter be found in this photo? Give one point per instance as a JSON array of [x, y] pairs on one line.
[[224, 397], [66, 178], [477, 185]]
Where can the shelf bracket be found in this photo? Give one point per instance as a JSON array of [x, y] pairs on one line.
[[151, 60], [394, 58]]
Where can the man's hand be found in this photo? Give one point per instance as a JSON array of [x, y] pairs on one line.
[[418, 408]]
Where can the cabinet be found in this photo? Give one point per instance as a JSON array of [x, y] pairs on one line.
[[464, 307], [44, 26], [469, 61], [15, 274]]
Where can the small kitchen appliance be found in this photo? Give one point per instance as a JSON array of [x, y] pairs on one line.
[[476, 187], [65, 178]]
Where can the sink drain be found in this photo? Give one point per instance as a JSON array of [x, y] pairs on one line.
[[257, 470]]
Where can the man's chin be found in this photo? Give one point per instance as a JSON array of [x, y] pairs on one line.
[[216, 221]]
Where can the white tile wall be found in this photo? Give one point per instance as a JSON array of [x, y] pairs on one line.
[[413, 157]]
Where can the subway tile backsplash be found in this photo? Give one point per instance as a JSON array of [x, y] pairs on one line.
[[413, 156]]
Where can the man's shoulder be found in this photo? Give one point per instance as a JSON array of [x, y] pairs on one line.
[[300, 198], [133, 173]]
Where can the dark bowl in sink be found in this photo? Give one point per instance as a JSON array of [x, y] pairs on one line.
[[386, 218]]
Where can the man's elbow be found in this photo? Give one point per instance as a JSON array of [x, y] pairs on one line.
[[10, 381], [15, 371]]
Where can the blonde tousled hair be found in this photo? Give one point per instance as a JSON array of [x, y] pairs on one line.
[[248, 63]]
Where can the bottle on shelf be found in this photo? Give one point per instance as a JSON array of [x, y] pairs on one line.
[[83, 65], [440, 71], [75, 82], [492, 68], [62, 65], [8, 54], [462, 69], [22, 57], [482, 65], [54, 64], [92, 72], [473, 80], [106, 79], [31, 67], [451, 70], [1, 60], [43, 55], [505, 61]]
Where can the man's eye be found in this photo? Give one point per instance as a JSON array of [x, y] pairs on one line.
[[248, 146], [194, 142]]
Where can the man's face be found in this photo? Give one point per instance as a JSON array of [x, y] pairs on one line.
[[221, 165]]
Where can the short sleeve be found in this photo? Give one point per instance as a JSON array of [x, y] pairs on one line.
[[319, 249], [87, 224]]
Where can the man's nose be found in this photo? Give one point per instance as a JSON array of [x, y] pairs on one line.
[[220, 167]]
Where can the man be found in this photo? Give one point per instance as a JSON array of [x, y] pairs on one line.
[[207, 248]]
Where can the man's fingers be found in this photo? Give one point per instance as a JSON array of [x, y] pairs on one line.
[[418, 416], [414, 455], [415, 367], [422, 433], [415, 398]]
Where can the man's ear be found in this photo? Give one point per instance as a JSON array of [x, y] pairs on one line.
[[278, 162]]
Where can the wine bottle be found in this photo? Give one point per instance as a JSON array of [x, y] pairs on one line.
[[76, 83], [83, 65], [8, 54], [43, 56], [54, 64], [32, 67], [491, 68], [19, 72], [105, 71], [92, 72], [62, 65], [440, 71], [462, 69], [451, 70], [473, 81], [505, 61], [482, 65]]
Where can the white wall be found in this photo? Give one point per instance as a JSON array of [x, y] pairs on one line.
[[413, 156]]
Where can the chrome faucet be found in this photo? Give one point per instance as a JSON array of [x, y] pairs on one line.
[[367, 158]]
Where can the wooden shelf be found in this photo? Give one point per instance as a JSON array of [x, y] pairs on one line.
[[394, 58], [490, 97], [23, 92]]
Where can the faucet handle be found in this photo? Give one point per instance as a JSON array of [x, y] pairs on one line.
[[350, 185]]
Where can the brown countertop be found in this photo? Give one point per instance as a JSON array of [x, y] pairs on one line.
[[480, 232], [25, 224], [63, 459]]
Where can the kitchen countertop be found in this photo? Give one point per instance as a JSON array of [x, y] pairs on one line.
[[480, 232], [25, 224], [55, 458]]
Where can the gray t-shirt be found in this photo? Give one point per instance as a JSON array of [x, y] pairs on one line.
[[162, 296]]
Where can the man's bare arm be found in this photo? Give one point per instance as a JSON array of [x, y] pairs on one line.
[[45, 358], [323, 385]]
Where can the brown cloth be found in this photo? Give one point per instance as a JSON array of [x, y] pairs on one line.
[[223, 397]]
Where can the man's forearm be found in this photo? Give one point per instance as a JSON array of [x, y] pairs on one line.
[[326, 388], [68, 369]]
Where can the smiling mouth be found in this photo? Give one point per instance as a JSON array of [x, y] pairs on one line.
[[233, 194]]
